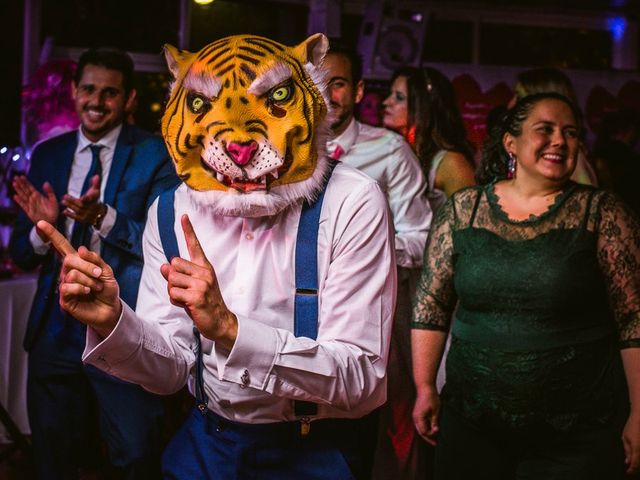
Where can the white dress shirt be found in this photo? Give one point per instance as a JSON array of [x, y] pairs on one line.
[[344, 370], [387, 158], [79, 169]]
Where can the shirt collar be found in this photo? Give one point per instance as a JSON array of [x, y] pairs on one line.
[[108, 141], [346, 139]]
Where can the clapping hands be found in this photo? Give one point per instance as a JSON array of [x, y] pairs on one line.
[[38, 206]]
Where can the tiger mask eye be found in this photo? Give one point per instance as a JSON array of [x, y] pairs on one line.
[[197, 103], [280, 94]]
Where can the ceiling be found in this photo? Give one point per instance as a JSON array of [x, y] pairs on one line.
[[603, 5], [626, 7]]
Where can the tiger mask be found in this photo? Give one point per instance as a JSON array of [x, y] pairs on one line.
[[246, 123]]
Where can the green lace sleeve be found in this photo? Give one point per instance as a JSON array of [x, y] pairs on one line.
[[435, 294], [619, 258]]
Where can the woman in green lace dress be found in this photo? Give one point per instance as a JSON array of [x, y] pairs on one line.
[[546, 276]]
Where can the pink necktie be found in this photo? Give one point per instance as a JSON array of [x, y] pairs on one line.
[[337, 153]]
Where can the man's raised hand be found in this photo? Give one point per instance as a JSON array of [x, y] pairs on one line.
[[85, 208], [194, 286], [88, 289], [35, 205]]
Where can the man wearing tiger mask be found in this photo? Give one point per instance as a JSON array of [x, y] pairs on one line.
[[269, 280]]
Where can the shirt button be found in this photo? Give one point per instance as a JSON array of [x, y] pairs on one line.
[[245, 379], [249, 236]]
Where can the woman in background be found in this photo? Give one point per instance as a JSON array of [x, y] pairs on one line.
[[545, 274], [422, 107], [423, 110]]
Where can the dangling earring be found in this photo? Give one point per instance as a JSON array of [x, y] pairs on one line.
[[411, 136], [511, 166]]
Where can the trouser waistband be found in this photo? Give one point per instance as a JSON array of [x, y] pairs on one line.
[[330, 428]]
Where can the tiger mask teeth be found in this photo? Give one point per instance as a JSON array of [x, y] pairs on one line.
[[244, 185], [257, 173]]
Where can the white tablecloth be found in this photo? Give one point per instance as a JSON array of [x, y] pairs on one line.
[[16, 296]]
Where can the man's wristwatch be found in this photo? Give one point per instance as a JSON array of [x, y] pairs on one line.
[[102, 212]]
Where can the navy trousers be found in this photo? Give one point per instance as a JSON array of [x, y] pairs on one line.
[[64, 397], [208, 447]]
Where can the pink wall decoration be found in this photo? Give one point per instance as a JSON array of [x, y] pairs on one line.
[[47, 101], [474, 105]]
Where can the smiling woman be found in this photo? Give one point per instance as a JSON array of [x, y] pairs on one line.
[[545, 274], [543, 152]]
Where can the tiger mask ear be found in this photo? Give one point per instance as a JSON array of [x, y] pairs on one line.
[[313, 49], [176, 59]]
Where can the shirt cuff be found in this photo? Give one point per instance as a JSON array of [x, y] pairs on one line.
[[252, 357], [123, 341], [108, 221], [40, 247], [408, 254]]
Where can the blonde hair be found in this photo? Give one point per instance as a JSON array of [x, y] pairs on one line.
[[541, 80]]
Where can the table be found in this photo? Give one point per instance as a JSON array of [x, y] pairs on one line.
[[16, 296]]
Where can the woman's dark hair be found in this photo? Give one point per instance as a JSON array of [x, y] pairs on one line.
[[494, 164], [433, 111]]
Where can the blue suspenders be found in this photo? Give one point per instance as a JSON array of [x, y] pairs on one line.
[[306, 296], [305, 317], [166, 220]]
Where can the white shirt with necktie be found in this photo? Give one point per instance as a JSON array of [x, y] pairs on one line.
[[387, 158], [79, 170]]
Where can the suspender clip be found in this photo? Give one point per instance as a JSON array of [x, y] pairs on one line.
[[305, 426], [306, 291]]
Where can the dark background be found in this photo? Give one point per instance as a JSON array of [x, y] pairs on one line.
[[145, 25]]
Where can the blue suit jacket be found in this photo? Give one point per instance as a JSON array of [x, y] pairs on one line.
[[140, 171]]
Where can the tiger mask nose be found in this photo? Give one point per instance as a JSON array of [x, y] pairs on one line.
[[242, 153]]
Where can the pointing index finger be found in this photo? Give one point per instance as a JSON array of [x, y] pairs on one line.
[[196, 253], [58, 241]]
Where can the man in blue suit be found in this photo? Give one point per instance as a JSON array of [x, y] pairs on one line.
[[96, 185]]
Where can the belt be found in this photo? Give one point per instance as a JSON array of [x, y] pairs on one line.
[[329, 428]]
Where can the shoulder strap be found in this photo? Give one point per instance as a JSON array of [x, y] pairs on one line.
[[305, 323], [166, 223], [475, 207], [436, 160], [306, 265], [587, 211], [166, 229]]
